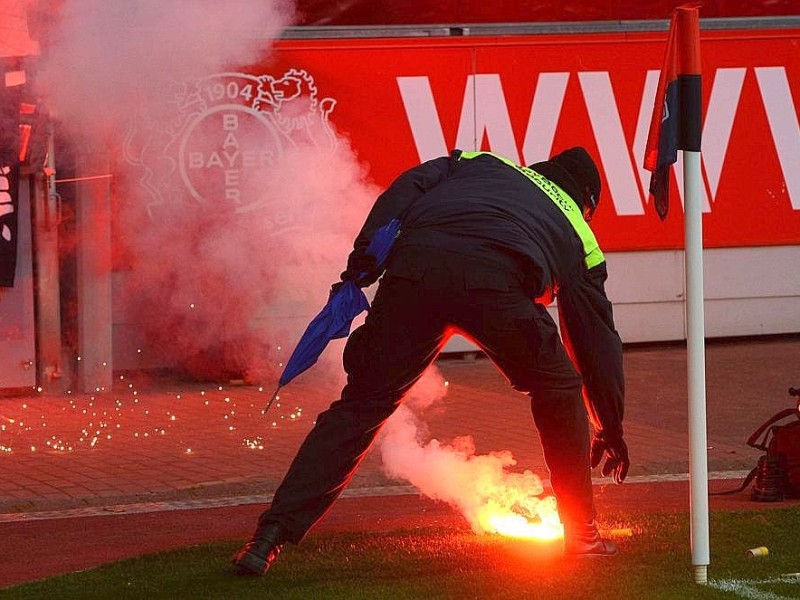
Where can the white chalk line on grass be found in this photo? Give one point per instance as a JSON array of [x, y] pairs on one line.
[[362, 492], [749, 588]]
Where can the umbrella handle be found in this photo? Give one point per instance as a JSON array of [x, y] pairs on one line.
[[271, 400]]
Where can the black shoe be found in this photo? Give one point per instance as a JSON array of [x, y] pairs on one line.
[[257, 555], [583, 539]]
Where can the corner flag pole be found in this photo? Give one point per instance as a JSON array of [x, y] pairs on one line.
[[688, 25], [677, 124], [696, 366]]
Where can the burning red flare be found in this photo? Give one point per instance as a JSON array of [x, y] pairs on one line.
[[529, 517]]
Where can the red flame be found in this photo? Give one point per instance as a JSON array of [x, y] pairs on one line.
[[533, 518]]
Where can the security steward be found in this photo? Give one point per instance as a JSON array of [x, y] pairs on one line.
[[484, 244]]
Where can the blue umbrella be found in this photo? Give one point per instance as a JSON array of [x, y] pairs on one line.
[[337, 315]]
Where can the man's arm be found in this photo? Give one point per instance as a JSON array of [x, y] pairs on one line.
[[587, 326], [393, 204]]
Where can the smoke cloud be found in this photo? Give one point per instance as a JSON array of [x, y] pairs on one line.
[[226, 294], [235, 202], [103, 57], [479, 486]]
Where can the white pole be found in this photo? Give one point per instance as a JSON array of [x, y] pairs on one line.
[[696, 362], [93, 279]]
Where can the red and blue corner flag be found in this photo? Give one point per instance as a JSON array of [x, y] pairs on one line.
[[677, 115]]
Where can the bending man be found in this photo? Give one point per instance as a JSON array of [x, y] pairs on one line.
[[484, 244]]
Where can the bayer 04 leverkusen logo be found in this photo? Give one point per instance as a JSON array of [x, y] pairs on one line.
[[223, 134]]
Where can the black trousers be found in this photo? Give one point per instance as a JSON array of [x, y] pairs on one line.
[[414, 312]]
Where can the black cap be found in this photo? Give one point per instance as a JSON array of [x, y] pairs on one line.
[[574, 172]]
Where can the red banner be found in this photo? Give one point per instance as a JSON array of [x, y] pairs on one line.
[[400, 101]]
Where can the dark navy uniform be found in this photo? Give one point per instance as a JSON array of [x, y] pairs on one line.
[[481, 239]]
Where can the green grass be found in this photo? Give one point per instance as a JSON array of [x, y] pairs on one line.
[[437, 563]]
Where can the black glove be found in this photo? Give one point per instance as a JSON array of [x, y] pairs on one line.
[[616, 452], [362, 268]]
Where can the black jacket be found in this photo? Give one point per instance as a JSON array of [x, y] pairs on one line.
[[489, 211]]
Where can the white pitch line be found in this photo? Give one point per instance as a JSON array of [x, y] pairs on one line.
[[712, 476], [363, 492], [745, 588]]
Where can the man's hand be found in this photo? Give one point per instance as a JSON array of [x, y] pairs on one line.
[[361, 268], [616, 452]]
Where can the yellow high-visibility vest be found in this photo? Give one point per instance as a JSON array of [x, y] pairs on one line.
[[592, 253]]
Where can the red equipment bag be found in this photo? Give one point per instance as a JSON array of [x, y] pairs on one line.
[[777, 474]]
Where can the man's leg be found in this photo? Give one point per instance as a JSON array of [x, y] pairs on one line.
[[383, 359], [525, 345], [524, 342]]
